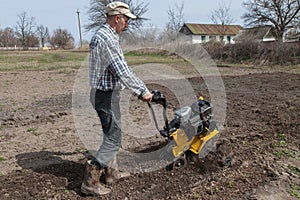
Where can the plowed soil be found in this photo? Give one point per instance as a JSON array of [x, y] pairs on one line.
[[42, 156]]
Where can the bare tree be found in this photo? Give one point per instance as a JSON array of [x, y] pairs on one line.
[[221, 16], [97, 13], [145, 37], [43, 34], [278, 13], [25, 30], [8, 38], [61, 39], [176, 20]]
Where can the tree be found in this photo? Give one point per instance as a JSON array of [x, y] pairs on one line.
[[97, 13], [32, 41], [277, 13], [61, 39], [8, 38], [24, 30], [221, 16], [43, 34], [145, 37], [176, 20]]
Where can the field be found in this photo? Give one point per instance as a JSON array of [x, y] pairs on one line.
[[42, 156]]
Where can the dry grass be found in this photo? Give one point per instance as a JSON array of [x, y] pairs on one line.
[[72, 60]]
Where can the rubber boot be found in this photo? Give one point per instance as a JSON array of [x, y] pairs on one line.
[[91, 184], [112, 173]]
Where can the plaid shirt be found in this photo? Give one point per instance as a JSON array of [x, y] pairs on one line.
[[108, 69]]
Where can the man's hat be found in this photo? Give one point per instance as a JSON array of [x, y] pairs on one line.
[[119, 8]]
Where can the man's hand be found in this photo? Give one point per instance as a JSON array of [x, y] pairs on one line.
[[147, 97]]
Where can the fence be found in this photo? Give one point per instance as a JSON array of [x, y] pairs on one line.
[[19, 48]]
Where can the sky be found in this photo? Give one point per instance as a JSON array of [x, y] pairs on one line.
[[62, 13]]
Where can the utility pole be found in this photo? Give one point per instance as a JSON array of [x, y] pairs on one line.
[[79, 28]]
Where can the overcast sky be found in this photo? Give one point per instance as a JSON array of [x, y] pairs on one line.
[[62, 13]]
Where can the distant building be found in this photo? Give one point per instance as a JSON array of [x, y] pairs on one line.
[[202, 33], [257, 34], [267, 34], [292, 35]]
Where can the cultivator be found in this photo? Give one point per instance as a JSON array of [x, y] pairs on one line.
[[193, 129]]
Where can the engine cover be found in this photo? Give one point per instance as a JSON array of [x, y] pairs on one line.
[[184, 114]]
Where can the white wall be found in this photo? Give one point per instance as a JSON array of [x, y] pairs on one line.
[[197, 39]]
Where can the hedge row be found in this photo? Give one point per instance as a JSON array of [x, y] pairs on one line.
[[273, 53]]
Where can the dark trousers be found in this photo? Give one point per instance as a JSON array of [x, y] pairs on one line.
[[107, 105]]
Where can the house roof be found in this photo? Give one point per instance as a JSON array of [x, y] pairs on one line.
[[256, 33], [293, 34], [212, 29]]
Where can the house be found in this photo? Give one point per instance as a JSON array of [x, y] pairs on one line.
[[258, 34], [292, 35], [202, 33]]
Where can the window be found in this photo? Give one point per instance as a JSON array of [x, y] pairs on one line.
[[203, 38], [212, 38], [221, 38], [229, 39]]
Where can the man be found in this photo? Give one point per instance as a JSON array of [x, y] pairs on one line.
[[109, 74]]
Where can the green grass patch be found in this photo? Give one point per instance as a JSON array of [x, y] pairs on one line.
[[138, 58], [281, 148], [33, 131], [295, 191], [282, 142], [213, 190], [65, 60], [5, 83], [229, 184], [196, 195], [40, 60], [294, 169], [285, 153], [1, 159], [1, 107], [21, 109], [282, 136]]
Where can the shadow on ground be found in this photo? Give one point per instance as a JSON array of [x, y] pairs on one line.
[[51, 163]]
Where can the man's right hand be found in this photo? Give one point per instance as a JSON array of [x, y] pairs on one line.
[[147, 97]]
